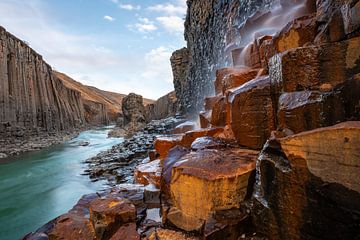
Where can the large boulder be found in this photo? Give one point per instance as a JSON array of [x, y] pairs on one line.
[[211, 180], [308, 185], [109, 214]]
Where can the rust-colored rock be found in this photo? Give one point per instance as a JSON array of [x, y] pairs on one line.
[[252, 113], [209, 102], [72, 226], [191, 136], [166, 234], [228, 78], [219, 112], [184, 221], [307, 110], [309, 68], [205, 119], [165, 143], [173, 157], [109, 214], [297, 33], [126, 232], [75, 224], [308, 185], [149, 173], [211, 180]]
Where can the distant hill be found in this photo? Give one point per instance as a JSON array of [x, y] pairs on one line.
[[95, 98]]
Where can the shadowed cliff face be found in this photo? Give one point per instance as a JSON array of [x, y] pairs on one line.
[[31, 98], [212, 30]]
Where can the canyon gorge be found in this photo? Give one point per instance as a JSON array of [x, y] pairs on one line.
[[260, 138]]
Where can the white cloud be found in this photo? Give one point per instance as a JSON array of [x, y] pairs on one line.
[[129, 7], [109, 18], [169, 8], [158, 64], [144, 25], [115, 1], [90, 59], [172, 24]]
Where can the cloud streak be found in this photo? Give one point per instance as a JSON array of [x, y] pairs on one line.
[[109, 18]]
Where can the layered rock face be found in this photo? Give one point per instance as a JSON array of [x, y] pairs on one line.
[[180, 65], [210, 32], [164, 107], [32, 99], [100, 107]]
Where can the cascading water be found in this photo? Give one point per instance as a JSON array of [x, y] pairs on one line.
[[261, 24]]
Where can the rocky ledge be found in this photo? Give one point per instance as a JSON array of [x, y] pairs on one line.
[[117, 164]]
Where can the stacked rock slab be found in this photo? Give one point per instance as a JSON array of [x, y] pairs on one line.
[[32, 99], [308, 185]]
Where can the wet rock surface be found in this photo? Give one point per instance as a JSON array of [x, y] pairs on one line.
[[117, 164]]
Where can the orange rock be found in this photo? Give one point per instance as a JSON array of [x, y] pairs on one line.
[[163, 144], [126, 232], [210, 180], [228, 78], [219, 113], [149, 173], [205, 118], [306, 110], [109, 214], [296, 34], [210, 102], [72, 226], [190, 137], [166, 234], [305, 176], [252, 113], [308, 68]]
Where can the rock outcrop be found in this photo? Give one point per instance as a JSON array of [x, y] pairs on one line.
[[100, 107], [308, 185], [164, 107], [293, 94], [32, 99], [180, 64]]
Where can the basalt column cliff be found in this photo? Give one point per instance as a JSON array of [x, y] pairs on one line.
[[32, 99], [277, 153]]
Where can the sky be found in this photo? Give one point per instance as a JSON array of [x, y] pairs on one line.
[[116, 45]]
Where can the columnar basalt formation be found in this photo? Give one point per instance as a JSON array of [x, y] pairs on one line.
[[180, 64], [293, 94], [32, 99], [100, 107], [308, 185], [164, 107]]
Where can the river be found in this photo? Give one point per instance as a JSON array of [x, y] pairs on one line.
[[39, 186]]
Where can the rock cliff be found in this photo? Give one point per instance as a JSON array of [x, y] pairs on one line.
[[277, 154], [164, 107], [100, 107], [32, 99], [212, 32]]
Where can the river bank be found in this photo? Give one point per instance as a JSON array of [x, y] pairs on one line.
[[37, 186]]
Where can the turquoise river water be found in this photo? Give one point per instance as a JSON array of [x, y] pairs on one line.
[[38, 186]]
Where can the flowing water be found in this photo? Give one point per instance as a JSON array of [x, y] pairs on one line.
[[39, 186]]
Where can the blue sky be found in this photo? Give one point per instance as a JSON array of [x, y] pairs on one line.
[[116, 45]]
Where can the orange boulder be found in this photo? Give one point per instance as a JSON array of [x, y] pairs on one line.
[[252, 113]]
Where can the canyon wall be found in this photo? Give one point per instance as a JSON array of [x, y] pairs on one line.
[[100, 107], [212, 32], [164, 107], [32, 99]]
